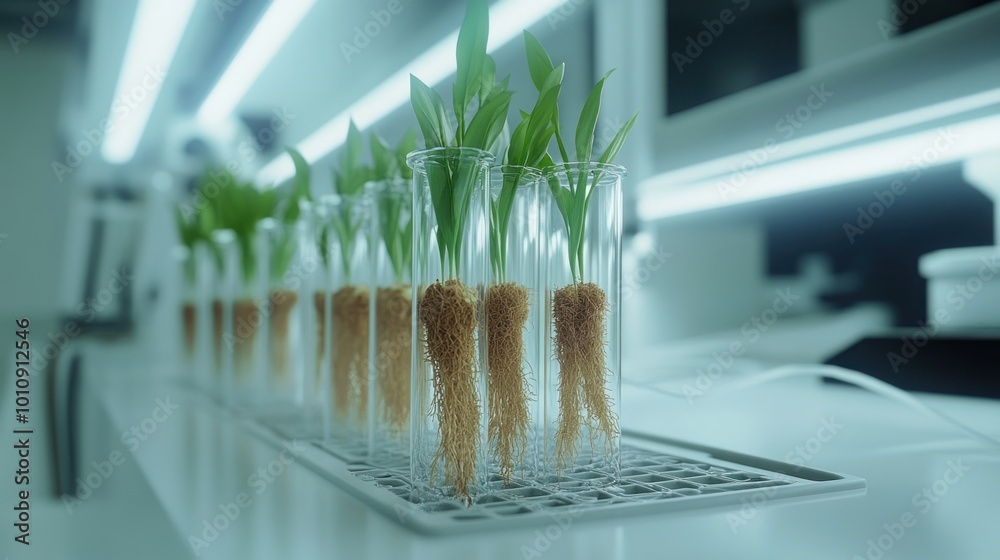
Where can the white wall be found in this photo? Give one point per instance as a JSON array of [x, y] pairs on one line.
[[692, 280], [34, 205]]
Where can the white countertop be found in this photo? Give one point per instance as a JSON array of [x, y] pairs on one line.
[[193, 462]]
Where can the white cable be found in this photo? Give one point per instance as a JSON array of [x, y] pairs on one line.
[[848, 376]]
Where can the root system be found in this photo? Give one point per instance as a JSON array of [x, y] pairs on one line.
[[393, 316], [189, 314], [350, 352], [448, 314], [319, 301], [282, 302], [245, 318], [506, 315], [579, 314], [217, 334]]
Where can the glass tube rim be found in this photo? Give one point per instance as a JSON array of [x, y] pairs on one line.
[[416, 158], [610, 170]]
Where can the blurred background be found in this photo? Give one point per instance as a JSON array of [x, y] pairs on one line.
[[113, 118], [842, 156]]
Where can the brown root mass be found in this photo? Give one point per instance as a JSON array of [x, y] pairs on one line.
[[189, 315], [448, 314], [506, 315], [393, 318], [579, 312], [282, 302], [245, 317], [217, 333], [319, 302], [350, 351]]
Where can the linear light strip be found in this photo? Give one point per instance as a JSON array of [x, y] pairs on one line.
[[507, 20], [152, 44], [832, 138], [876, 159], [275, 26]]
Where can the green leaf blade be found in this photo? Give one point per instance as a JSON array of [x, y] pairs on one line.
[[587, 125]]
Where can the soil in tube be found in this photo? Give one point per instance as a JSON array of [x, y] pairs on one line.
[[282, 302], [189, 315], [217, 334], [319, 302], [506, 316], [350, 352], [245, 317], [447, 313], [579, 312], [393, 318]]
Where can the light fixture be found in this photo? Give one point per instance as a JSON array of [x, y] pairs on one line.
[[270, 33], [904, 154], [152, 43], [952, 109], [507, 20]]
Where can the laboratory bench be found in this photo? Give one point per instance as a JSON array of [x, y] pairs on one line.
[[181, 460]]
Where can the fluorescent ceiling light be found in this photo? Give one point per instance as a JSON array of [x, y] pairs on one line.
[[903, 154], [508, 18], [273, 29], [152, 43]]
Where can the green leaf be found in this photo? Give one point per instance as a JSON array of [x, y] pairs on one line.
[[539, 63], [439, 181], [300, 187], [339, 222], [489, 120], [540, 130], [488, 79], [303, 175], [471, 55], [611, 152], [587, 125], [324, 245], [352, 154], [431, 114], [539, 147], [385, 164], [406, 240], [564, 201], [389, 206], [406, 145], [517, 150]]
